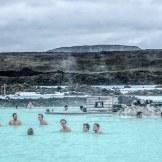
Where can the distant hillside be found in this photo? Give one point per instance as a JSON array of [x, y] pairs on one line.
[[117, 67], [95, 48]]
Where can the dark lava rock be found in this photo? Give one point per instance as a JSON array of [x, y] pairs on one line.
[[102, 68]]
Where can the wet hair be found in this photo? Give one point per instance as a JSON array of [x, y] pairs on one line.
[[30, 131], [87, 125], [14, 114], [63, 120], [66, 106], [97, 125], [41, 115]]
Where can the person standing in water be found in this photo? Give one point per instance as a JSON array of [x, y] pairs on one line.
[[96, 128], [86, 127], [41, 119], [64, 126], [14, 121]]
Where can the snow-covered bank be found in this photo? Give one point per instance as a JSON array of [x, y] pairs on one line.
[[150, 92], [153, 98], [132, 88], [34, 95]]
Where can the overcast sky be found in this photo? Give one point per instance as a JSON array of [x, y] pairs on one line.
[[39, 25]]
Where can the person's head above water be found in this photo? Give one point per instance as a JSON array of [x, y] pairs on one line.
[[40, 116], [63, 122], [41, 119], [14, 121], [14, 115], [30, 131], [81, 107], [86, 127], [96, 128], [64, 126]]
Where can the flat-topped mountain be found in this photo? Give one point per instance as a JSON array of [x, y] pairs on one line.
[[95, 48]]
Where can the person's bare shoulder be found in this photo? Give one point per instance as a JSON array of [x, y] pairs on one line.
[[61, 130], [10, 122], [68, 129], [19, 122], [45, 123]]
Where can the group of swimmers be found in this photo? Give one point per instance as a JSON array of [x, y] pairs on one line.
[[64, 127]]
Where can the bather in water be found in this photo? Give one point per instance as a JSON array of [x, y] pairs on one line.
[[41, 119], [14, 121], [86, 127], [30, 131], [96, 128], [64, 126]]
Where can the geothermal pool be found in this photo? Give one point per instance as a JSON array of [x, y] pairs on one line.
[[123, 139]]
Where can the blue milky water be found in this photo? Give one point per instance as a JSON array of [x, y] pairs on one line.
[[122, 140]]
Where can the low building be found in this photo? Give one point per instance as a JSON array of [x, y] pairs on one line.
[[101, 103]]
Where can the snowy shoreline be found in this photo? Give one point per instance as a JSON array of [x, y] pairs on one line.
[[44, 92]]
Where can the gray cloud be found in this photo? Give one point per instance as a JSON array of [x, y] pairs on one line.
[[27, 25]]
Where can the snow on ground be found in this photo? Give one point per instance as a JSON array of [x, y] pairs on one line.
[[153, 98], [33, 95], [133, 88]]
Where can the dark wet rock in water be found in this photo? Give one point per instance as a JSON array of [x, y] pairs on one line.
[[95, 48]]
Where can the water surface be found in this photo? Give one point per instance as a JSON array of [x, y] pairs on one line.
[[123, 139]]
